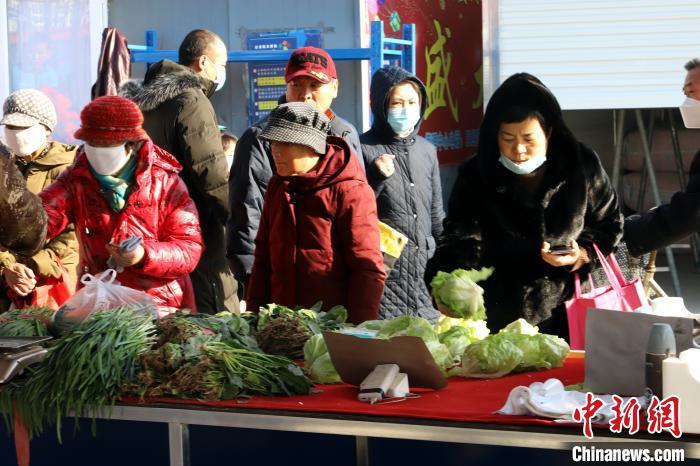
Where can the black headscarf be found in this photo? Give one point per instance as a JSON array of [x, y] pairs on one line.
[[526, 91]]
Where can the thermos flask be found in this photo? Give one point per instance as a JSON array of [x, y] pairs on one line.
[[661, 345]]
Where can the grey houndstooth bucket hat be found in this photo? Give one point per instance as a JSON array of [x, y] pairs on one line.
[[298, 123]]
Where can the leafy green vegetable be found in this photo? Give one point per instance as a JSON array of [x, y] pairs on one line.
[[316, 320], [410, 326], [459, 292], [418, 327], [212, 358], [322, 371], [518, 347], [28, 322], [239, 372], [371, 325], [284, 331], [489, 358], [520, 326], [553, 349], [233, 328], [83, 370], [317, 361], [462, 334]]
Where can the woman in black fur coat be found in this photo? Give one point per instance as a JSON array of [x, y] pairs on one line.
[[531, 204]]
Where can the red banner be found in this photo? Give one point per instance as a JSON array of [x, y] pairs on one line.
[[449, 61]]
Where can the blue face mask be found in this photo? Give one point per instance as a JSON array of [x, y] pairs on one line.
[[524, 168], [403, 119]]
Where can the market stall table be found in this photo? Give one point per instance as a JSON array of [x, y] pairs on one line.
[[463, 412]]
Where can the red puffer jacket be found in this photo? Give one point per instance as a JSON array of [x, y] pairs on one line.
[[159, 209], [319, 240]]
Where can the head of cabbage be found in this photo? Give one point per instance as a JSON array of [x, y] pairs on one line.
[[459, 292], [317, 361]]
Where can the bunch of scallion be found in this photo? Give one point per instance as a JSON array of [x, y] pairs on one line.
[[82, 372], [28, 322]]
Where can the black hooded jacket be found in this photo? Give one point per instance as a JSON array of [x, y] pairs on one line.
[[493, 221], [251, 171], [179, 117], [410, 200]]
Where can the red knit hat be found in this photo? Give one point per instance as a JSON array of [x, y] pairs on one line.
[[111, 119]]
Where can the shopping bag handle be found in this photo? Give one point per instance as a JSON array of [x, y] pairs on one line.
[[613, 265], [577, 284], [108, 276], [614, 275]]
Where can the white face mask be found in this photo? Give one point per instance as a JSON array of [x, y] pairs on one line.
[[24, 142], [220, 78], [523, 168], [690, 111], [106, 160]]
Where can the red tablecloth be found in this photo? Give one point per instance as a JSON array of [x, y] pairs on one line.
[[471, 400]]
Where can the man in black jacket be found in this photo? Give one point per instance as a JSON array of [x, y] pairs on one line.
[[669, 223], [311, 77], [179, 117]]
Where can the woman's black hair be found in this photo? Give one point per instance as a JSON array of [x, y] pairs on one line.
[[518, 113]]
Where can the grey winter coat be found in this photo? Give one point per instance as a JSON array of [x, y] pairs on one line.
[[179, 118], [252, 169], [410, 200]]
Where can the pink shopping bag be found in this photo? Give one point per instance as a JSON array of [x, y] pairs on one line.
[[619, 295]]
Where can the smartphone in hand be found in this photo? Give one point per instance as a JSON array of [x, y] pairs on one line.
[[561, 249]]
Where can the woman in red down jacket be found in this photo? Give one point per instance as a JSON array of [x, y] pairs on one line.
[[319, 236], [121, 185]]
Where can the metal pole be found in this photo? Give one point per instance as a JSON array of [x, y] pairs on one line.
[[657, 196], [619, 127], [677, 150], [362, 451], [643, 180], [179, 441]]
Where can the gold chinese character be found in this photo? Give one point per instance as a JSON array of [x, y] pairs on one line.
[[438, 70], [479, 78]]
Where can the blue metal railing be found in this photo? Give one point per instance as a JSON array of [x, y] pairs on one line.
[[382, 50]]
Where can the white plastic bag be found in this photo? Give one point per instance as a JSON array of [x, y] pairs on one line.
[[101, 292]]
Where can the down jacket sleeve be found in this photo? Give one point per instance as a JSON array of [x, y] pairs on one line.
[[250, 174], [179, 245], [203, 154], [23, 225], [670, 222], [258, 290], [358, 229], [603, 220], [57, 199], [49, 260]]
